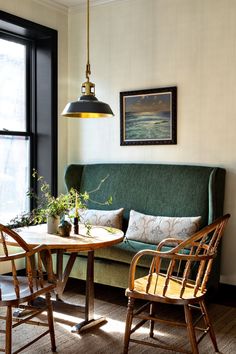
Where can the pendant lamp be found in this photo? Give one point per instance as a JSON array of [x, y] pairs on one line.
[[87, 105]]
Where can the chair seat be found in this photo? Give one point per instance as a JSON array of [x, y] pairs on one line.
[[8, 294], [156, 288]]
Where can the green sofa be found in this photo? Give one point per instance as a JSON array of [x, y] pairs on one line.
[[154, 189]]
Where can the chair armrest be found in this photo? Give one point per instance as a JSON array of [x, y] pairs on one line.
[[168, 242], [37, 249], [13, 256], [135, 260]]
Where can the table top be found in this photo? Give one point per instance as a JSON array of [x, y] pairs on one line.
[[99, 237]]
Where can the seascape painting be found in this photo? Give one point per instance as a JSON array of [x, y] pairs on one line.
[[148, 117]]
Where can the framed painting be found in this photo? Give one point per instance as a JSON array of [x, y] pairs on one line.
[[148, 117]]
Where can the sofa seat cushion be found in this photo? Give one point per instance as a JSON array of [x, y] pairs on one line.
[[125, 251]]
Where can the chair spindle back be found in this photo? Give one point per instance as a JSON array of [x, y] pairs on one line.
[[35, 261], [187, 264]]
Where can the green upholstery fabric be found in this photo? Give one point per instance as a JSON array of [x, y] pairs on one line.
[[124, 252], [153, 189]]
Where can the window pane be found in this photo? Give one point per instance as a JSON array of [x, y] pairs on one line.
[[14, 176], [12, 86]]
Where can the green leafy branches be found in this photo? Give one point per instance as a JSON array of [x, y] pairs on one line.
[[49, 205]]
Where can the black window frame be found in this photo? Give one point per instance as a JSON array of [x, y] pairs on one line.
[[41, 91]]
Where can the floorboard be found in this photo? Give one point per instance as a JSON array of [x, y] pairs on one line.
[[111, 303]]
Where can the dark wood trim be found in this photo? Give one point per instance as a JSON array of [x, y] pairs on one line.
[[23, 27]]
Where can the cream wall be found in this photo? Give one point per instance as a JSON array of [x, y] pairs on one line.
[[56, 18], [138, 44]]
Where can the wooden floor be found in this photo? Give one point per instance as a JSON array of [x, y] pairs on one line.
[[108, 339]]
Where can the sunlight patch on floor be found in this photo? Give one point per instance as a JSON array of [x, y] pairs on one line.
[[112, 326]]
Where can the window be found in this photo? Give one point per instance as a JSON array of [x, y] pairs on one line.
[[15, 135], [28, 111]]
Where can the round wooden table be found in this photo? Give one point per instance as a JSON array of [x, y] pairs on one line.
[[98, 237]]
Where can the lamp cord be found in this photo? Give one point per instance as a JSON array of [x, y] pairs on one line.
[[88, 70]]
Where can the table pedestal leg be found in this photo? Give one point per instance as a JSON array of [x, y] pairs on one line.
[[62, 277], [89, 321]]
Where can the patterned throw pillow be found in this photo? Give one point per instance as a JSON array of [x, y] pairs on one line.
[[111, 218], [153, 229]]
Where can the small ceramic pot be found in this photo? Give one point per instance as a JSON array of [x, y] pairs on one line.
[[52, 224]]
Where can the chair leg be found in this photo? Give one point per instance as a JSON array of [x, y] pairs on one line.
[[190, 329], [8, 337], [129, 318], [151, 332], [209, 325], [50, 321]]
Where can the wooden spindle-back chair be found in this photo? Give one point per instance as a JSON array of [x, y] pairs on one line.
[[19, 291], [184, 282]]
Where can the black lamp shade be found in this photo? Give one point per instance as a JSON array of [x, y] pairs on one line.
[[87, 106]]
